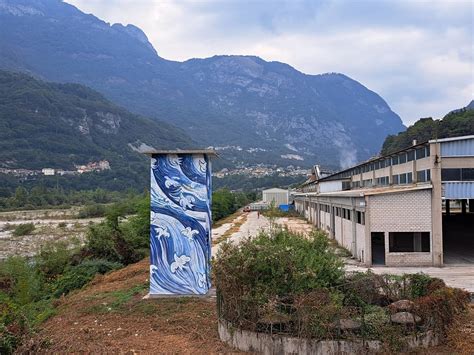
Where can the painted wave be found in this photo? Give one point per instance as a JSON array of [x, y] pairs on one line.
[[180, 224]]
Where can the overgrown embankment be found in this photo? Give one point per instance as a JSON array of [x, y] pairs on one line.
[[109, 315], [30, 287]]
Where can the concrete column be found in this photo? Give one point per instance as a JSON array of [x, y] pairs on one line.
[[436, 207], [368, 240], [390, 173], [354, 229], [318, 215], [463, 206], [414, 175]]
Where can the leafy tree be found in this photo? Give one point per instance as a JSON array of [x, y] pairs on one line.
[[456, 123]]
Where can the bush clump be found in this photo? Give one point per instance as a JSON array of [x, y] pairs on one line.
[[23, 229], [282, 282], [257, 276], [76, 277], [92, 211]]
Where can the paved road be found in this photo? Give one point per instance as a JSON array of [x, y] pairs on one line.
[[461, 276]]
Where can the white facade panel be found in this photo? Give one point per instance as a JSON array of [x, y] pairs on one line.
[[330, 186], [279, 197]]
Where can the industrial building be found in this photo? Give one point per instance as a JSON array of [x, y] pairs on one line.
[[279, 197], [414, 207]]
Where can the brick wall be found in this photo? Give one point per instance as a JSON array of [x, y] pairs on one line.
[[402, 212]]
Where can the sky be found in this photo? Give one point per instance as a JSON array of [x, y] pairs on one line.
[[417, 54]]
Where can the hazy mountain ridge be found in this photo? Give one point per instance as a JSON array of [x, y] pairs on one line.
[[219, 101]]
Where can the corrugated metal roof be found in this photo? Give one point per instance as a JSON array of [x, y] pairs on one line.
[[275, 189], [458, 190], [370, 191], [458, 148]]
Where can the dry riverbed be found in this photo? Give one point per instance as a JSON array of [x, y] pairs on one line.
[[50, 225]]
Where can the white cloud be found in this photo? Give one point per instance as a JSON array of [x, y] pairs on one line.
[[416, 54]]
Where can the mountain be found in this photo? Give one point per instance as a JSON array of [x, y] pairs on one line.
[[58, 125], [459, 122], [252, 110]]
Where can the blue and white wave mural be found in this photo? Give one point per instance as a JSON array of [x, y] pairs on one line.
[[180, 228]]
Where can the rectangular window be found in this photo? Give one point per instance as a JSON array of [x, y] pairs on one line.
[[407, 242], [421, 176], [451, 174], [403, 179], [427, 150], [396, 179], [360, 217], [395, 160], [467, 174], [388, 162], [420, 153], [409, 178], [411, 155], [402, 158], [347, 214]]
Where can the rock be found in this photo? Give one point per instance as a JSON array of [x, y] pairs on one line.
[[403, 305], [405, 318], [347, 324]]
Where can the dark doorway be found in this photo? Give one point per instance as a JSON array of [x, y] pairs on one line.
[[458, 232], [378, 248]]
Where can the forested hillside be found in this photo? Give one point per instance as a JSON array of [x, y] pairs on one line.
[[456, 123], [58, 125]]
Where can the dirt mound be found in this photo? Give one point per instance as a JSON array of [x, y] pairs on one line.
[[110, 316]]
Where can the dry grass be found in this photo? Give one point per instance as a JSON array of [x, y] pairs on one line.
[[461, 334], [228, 219]]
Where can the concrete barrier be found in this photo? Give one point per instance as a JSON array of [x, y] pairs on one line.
[[270, 344]]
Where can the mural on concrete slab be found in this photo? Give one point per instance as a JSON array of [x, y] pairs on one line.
[[180, 224]]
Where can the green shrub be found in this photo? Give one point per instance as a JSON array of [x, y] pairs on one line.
[[20, 280], [54, 257], [100, 242], [278, 264], [23, 229], [92, 211], [76, 277], [124, 241]]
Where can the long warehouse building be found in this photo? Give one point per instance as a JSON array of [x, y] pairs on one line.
[[414, 207]]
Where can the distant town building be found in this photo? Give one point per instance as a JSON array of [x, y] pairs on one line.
[[19, 172], [93, 166], [48, 171]]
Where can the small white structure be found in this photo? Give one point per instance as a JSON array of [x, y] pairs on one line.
[[277, 196], [48, 171]]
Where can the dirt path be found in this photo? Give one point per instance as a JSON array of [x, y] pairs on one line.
[[246, 225]]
